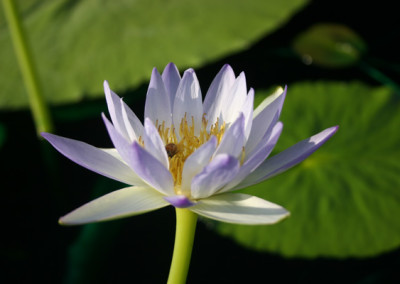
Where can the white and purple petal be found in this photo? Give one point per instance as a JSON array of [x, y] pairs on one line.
[[265, 115], [153, 143], [158, 104], [234, 139], [92, 158], [171, 79], [195, 163], [221, 170], [247, 110], [115, 110], [133, 125], [240, 209], [148, 168], [179, 201], [117, 204], [151, 170], [233, 103], [264, 148], [288, 158], [188, 102], [218, 94]]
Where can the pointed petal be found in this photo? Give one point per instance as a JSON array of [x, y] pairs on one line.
[[221, 170], [125, 150], [265, 115], [179, 201], [240, 209], [188, 101], [247, 110], [118, 204], [158, 104], [120, 143], [114, 108], [288, 158], [133, 126], [171, 78], [151, 170], [218, 93], [233, 140], [264, 148], [195, 163], [92, 158], [113, 152], [236, 97], [153, 143]]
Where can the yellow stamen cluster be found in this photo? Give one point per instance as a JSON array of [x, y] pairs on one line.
[[187, 142]]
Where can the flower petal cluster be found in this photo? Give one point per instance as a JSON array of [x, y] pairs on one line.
[[189, 153]]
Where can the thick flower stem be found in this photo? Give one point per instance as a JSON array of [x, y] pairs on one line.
[[38, 106], [185, 229]]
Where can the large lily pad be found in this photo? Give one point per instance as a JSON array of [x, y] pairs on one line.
[[78, 44], [345, 198]]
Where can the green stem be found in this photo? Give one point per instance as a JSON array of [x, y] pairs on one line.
[[38, 106], [379, 76], [185, 229]]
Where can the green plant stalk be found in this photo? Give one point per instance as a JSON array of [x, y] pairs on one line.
[[37, 103], [185, 229], [379, 76]]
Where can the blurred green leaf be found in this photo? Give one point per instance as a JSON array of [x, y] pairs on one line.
[[345, 198], [330, 45], [78, 44]]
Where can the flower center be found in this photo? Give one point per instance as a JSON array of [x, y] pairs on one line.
[[179, 149]]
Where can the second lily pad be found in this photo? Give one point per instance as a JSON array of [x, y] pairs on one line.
[[345, 198]]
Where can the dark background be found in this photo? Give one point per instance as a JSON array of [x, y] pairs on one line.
[[39, 185]]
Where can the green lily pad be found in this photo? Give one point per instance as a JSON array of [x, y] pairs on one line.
[[345, 198], [78, 44], [330, 45]]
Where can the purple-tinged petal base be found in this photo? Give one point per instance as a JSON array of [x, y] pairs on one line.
[[179, 201]]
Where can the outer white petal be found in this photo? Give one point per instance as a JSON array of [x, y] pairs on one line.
[[221, 170], [265, 115], [171, 78], [93, 158], [133, 126], [232, 106], [153, 143], [240, 209], [288, 158], [118, 204], [158, 104], [234, 139], [218, 94], [114, 108], [195, 163], [188, 101]]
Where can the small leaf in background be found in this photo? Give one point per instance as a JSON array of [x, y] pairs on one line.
[[345, 198], [78, 44], [330, 45]]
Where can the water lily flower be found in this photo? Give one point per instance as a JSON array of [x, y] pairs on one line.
[[189, 153]]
